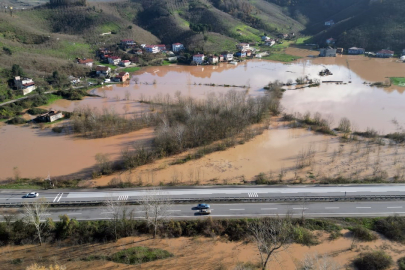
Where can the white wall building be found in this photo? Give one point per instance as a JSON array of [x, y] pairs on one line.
[[176, 47], [26, 85], [198, 58], [152, 49]]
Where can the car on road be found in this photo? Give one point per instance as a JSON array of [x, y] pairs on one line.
[[31, 195], [205, 211], [203, 206]]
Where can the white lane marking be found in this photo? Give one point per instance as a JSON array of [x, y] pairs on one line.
[[363, 207], [60, 197], [253, 195], [269, 208], [300, 208], [237, 209], [56, 197], [395, 207], [331, 207], [123, 198]]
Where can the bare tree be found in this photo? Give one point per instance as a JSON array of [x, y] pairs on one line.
[[271, 236], [316, 262], [35, 213], [115, 210], [157, 207]]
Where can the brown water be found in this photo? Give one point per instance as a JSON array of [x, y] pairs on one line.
[[36, 152]]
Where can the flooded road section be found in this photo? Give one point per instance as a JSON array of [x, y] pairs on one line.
[[38, 152]]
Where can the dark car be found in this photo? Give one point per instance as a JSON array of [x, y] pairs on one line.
[[203, 206]]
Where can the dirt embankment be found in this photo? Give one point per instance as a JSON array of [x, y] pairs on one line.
[[192, 253]]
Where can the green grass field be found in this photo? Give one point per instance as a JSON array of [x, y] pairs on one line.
[[131, 69], [52, 98], [400, 81], [281, 57]]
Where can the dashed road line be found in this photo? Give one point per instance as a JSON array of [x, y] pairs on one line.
[[395, 207]]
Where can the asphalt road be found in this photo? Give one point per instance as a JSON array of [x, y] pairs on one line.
[[309, 210], [204, 193]]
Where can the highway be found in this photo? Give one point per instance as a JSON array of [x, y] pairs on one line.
[[204, 193], [241, 210]]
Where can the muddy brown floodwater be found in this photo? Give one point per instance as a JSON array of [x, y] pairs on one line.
[[36, 152]]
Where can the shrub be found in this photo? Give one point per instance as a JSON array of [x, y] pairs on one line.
[[374, 260], [304, 237], [35, 111], [16, 121], [391, 227], [401, 263], [138, 255], [363, 234], [57, 129]]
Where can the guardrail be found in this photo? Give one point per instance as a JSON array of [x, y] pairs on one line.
[[230, 199]]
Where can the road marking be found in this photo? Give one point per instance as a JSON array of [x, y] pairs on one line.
[[237, 209], [395, 207], [56, 197], [269, 208], [300, 208], [123, 198], [331, 207], [73, 214], [60, 197], [363, 207], [253, 195]]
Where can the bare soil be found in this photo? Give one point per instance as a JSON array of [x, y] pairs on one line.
[[192, 253]]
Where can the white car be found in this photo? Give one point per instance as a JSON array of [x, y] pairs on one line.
[[31, 195]]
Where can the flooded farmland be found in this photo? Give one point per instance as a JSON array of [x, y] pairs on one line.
[[36, 152]]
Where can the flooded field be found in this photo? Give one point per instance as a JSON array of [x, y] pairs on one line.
[[33, 151]]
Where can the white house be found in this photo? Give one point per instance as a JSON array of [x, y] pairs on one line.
[[125, 63], [151, 49], [329, 23], [213, 59], [198, 58], [127, 42], [228, 56], [26, 85], [85, 62], [243, 46], [270, 43], [114, 60], [176, 47], [103, 71], [264, 38]]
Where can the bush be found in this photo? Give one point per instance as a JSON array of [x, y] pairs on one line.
[[138, 255], [35, 111], [304, 237], [401, 263], [374, 260], [57, 129], [16, 121], [391, 227], [363, 234]]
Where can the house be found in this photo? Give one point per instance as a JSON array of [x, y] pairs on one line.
[[282, 35], [127, 42], [50, 116], [327, 52], [385, 54], [248, 53], [355, 50], [240, 54], [26, 85], [339, 50], [213, 59], [172, 59], [125, 63], [265, 38], [151, 49], [177, 47], [122, 77], [270, 43], [73, 80], [161, 47], [103, 71], [103, 53], [243, 46], [221, 58], [228, 56], [114, 60], [198, 59], [86, 62], [329, 23], [330, 41]]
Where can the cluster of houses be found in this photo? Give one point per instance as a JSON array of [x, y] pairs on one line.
[[24, 85], [243, 50]]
